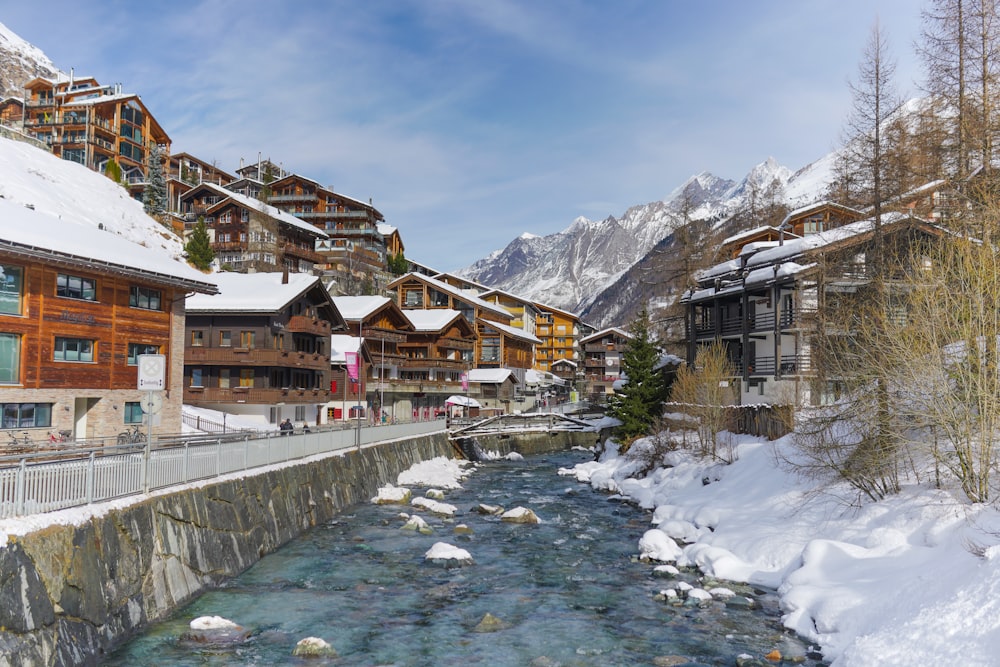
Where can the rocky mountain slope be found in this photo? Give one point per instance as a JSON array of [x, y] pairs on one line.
[[575, 268], [20, 62]]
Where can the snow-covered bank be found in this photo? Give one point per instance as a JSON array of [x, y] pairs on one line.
[[897, 582]]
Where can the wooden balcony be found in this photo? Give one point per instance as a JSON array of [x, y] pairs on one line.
[[432, 362], [255, 395], [311, 325], [308, 254], [241, 356]]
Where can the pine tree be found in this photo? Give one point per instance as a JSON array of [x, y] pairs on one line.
[[199, 246], [639, 402], [154, 196]]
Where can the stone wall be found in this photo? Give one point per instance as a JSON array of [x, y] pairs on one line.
[[70, 594]]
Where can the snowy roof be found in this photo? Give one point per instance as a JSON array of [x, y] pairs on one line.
[[431, 320], [815, 206], [341, 343], [266, 209], [252, 292], [42, 235], [491, 375], [442, 286], [359, 307], [513, 332], [565, 362], [604, 332], [384, 229]]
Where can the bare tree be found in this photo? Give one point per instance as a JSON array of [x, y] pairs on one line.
[[707, 394]]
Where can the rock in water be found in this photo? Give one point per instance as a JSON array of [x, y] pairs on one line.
[[520, 515], [314, 647], [490, 623]]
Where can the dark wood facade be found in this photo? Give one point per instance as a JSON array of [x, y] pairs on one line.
[[261, 356]]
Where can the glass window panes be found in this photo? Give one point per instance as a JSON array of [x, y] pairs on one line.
[[26, 415], [76, 287], [135, 349], [10, 289], [74, 349], [10, 358], [143, 297], [133, 412]]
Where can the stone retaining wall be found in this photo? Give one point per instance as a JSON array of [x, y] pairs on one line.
[[70, 594]]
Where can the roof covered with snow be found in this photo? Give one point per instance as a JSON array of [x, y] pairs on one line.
[[491, 375], [431, 320], [359, 307], [252, 292], [266, 209]]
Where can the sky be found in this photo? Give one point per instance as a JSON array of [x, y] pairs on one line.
[[468, 123]]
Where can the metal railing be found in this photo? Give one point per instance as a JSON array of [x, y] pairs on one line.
[[46, 482]]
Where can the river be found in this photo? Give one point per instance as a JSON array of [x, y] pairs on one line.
[[568, 591]]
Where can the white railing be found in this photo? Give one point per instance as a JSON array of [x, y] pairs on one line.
[[35, 486]]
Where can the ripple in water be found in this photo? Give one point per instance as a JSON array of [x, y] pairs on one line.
[[568, 591]]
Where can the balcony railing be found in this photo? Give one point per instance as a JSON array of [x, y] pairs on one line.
[[303, 324], [756, 323], [241, 356], [305, 196], [790, 364], [255, 395]]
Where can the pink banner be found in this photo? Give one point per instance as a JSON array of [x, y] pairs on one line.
[[352, 365], [465, 382]]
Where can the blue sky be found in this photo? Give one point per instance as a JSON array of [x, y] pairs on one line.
[[469, 122]]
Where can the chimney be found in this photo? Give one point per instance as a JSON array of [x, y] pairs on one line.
[[284, 275]]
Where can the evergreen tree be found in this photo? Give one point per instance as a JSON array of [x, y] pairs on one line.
[[154, 196], [638, 404], [397, 264], [199, 246]]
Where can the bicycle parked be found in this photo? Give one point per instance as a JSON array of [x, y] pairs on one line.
[[15, 441], [57, 437], [131, 436]]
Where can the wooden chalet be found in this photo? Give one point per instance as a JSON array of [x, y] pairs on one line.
[[12, 112], [78, 306], [763, 304], [354, 243], [88, 123], [261, 347], [438, 353], [498, 344], [249, 235], [602, 362], [383, 327]]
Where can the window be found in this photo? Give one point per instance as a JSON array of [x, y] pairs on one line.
[[300, 413], [413, 297], [135, 349], [247, 338], [244, 215], [73, 349], [225, 339], [26, 415], [143, 297], [246, 377], [10, 289], [197, 338], [75, 287], [196, 377], [10, 358], [223, 378], [133, 412], [226, 217]]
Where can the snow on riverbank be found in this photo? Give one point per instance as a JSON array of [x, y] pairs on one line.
[[890, 583]]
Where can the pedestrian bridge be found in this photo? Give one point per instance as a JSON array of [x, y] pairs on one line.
[[519, 423]]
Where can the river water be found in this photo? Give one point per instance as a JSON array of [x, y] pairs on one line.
[[568, 591]]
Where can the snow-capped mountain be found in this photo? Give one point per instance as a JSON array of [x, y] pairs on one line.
[[571, 269], [20, 62]]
